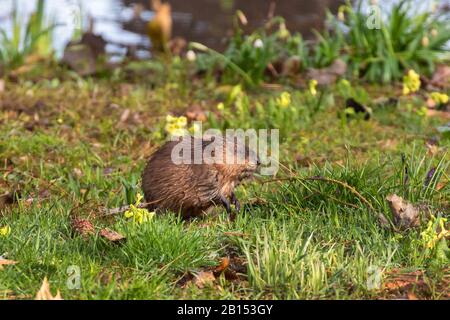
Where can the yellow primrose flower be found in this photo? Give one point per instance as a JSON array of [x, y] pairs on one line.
[[139, 215], [313, 87], [284, 100], [430, 236], [220, 106], [170, 118], [411, 82], [439, 98], [176, 126], [182, 121], [5, 231]]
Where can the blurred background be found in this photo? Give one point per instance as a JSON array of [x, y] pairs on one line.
[[122, 22]]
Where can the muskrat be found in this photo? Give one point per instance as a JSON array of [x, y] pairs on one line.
[[192, 189]]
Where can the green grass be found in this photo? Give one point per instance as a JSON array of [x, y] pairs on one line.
[[65, 147]]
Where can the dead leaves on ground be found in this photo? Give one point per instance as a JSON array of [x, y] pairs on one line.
[[231, 269], [413, 285], [86, 228], [405, 215], [44, 292], [329, 75], [112, 235]]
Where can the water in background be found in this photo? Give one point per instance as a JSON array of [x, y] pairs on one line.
[[122, 22]]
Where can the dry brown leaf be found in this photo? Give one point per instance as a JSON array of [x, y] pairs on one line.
[[439, 114], [82, 226], [204, 278], [6, 262], [432, 149], [224, 264], [45, 294], [441, 185], [405, 214], [328, 75], [291, 66], [196, 113], [441, 76], [111, 235], [125, 115], [412, 296]]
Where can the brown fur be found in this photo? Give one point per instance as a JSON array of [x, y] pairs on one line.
[[190, 189]]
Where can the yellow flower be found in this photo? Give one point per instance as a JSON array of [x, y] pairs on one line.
[[5, 231], [139, 215], [284, 100], [430, 235], [439, 98], [176, 126], [220, 106], [411, 82], [425, 41], [128, 214], [313, 87]]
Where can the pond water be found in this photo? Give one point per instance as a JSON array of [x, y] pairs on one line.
[[122, 22]]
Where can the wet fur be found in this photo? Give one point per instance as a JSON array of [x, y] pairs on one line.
[[189, 189]]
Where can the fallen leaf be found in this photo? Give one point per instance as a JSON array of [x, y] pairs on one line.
[[439, 114], [224, 264], [405, 214], [432, 149], [2, 85], [45, 294], [412, 296], [430, 103], [328, 75], [196, 113], [111, 235], [77, 172], [125, 115], [291, 66], [441, 76], [82, 226], [204, 278], [6, 262]]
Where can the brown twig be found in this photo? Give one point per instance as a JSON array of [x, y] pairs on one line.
[[114, 211]]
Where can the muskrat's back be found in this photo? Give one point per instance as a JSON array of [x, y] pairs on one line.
[[189, 189]]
